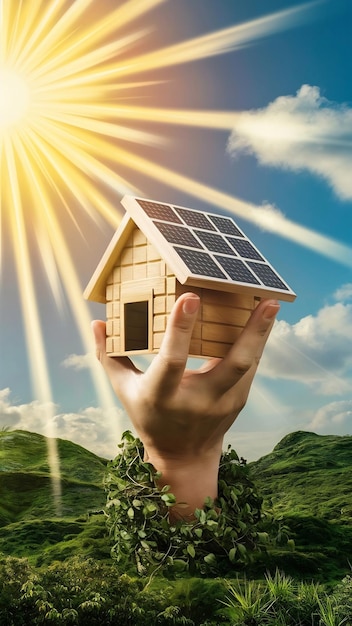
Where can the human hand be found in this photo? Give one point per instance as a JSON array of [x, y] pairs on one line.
[[181, 416]]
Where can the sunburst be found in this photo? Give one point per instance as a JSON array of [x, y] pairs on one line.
[[64, 66]]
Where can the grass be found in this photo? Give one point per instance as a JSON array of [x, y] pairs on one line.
[[305, 480]]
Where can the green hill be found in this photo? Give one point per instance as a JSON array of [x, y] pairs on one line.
[[29, 524], [306, 480], [308, 474]]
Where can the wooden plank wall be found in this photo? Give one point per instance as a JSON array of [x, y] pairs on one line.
[[220, 321], [139, 268]]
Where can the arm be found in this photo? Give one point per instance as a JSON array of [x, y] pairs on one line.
[[182, 416]]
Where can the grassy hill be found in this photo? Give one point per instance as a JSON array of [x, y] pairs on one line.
[[29, 525], [308, 474], [306, 480]]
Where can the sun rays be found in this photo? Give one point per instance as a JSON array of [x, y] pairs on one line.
[[64, 68]]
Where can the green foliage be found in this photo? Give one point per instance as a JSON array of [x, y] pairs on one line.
[[284, 601], [79, 591], [224, 534], [84, 591], [343, 596]]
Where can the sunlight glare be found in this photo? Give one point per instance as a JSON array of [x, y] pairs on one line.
[[14, 98]]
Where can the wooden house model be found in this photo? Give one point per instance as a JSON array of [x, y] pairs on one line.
[[160, 251]]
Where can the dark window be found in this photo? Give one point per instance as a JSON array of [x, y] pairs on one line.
[[136, 326]]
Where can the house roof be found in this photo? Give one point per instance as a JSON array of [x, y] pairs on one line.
[[202, 249]]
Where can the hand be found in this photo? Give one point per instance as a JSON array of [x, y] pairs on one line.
[[182, 416]]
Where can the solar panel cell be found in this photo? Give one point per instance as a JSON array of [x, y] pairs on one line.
[[237, 270], [159, 211], [200, 263], [178, 234], [214, 242], [244, 248], [267, 276], [195, 219], [226, 225]]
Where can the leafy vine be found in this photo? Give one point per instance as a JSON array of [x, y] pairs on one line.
[[224, 534]]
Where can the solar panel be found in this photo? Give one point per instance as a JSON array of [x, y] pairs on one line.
[[244, 248], [226, 225], [195, 219], [214, 242], [159, 211], [237, 270], [267, 276], [200, 263], [210, 246], [178, 234]]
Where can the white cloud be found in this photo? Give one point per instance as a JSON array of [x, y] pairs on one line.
[[344, 293], [301, 132], [90, 427], [315, 351], [80, 361], [333, 417], [22, 416]]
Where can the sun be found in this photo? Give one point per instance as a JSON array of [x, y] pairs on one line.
[[14, 98]]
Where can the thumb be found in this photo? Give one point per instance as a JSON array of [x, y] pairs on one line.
[[168, 367], [117, 369], [99, 332]]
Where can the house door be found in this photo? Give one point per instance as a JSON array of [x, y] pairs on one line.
[[136, 316]]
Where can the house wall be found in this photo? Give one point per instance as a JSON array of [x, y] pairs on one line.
[[221, 319], [140, 273]]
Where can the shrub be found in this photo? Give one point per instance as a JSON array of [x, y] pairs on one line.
[[224, 535]]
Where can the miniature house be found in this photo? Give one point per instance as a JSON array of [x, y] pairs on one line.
[[160, 251]]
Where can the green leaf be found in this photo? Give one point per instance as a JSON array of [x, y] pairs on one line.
[[210, 559], [212, 524], [212, 514], [149, 509], [130, 513], [168, 498], [263, 537], [191, 551], [232, 555], [198, 532], [242, 549], [179, 565], [291, 544]]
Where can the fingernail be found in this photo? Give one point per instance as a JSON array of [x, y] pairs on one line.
[[271, 311], [191, 305]]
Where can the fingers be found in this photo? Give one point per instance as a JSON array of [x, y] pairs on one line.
[[116, 368], [244, 356], [166, 371]]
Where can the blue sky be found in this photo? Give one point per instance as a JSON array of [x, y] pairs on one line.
[[288, 154]]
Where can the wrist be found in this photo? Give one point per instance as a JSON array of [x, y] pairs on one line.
[[191, 480]]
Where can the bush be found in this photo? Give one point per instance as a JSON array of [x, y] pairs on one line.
[[223, 537]]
